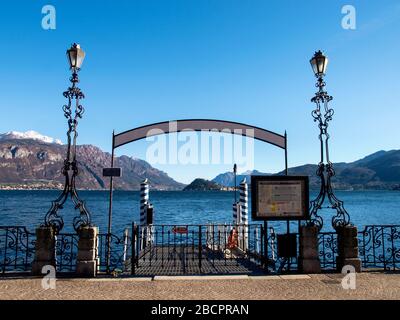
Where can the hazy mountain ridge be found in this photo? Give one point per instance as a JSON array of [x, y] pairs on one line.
[[380, 170], [227, 179], [35, 164], [202, 185], [33, 161]]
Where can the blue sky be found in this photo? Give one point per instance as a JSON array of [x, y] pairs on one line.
[[246, 61]]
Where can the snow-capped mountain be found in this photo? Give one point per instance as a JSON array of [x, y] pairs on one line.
[[33, 164], [33, 135]]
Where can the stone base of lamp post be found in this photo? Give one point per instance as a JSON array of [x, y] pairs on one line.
[[308, 252], [87, 260], [347, 242], [45, 253]]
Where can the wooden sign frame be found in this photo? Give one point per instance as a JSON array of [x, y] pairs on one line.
[[280, 184]]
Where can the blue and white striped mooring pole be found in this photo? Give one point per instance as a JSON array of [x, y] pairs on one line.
[[144, 201], [244, 211], [235, 204], [243, 201]]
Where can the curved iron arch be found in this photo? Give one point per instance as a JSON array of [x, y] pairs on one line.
[[142, 132]]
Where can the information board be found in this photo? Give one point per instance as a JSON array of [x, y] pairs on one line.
[[280, 197]]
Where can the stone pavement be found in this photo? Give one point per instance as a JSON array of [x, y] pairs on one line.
[[369, 285]]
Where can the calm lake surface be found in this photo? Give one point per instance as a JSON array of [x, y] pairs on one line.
[[28, 208]]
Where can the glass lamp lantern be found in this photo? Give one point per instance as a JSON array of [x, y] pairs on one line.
[[319, 63], [75, 56]]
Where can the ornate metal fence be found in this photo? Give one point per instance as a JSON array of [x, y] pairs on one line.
[[114, 260], [66, 252], [380, 247], [17, 251], [327, 244], [189, 249], [114, 252], [17, 248]]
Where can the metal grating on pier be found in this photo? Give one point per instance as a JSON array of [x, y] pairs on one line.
[[181, 260]]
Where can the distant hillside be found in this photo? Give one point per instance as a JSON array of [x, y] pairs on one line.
[[202, 185], [380, 170], [34, 163], [227, 179]]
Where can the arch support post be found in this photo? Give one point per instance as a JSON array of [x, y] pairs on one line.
[[308, 252], [45, 249], [87, 259], [347, 243]]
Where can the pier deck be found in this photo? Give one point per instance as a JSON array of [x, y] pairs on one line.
[[183, 260]]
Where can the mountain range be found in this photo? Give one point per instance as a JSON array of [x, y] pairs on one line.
[[33, 161], [227, 179], [380, 170]]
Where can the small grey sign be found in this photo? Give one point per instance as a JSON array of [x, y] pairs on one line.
[[112, 172]]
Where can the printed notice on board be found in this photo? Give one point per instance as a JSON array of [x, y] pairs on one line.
[[280, 198]]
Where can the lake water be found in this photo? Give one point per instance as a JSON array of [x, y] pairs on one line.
[[28, 208]]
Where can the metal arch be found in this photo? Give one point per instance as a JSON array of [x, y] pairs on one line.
[[142, 132], [197, 125]]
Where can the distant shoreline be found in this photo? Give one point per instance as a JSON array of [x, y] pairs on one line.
[[159, 190]]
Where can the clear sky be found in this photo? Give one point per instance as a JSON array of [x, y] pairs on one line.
[[247, 61]]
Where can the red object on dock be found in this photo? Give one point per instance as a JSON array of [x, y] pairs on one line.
[[180, 230]]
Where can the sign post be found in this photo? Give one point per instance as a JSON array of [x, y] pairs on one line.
[[110, 172], [280, 198]]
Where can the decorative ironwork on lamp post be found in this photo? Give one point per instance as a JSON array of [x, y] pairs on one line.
[[322, 115], [73, 111]]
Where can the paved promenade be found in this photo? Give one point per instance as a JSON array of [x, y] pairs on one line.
[[326, 286]]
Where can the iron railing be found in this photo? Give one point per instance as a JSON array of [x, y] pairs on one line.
[[380, 247], [17, 251], [17, 248], [117, 258], [189, 249], [327, 246], [66, 252], [192, 249]]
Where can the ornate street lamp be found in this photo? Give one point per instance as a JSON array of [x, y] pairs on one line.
[[322, 115], [73, 110]]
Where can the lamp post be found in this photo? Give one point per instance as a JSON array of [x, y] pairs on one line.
[[73, 111], [322, 115]]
